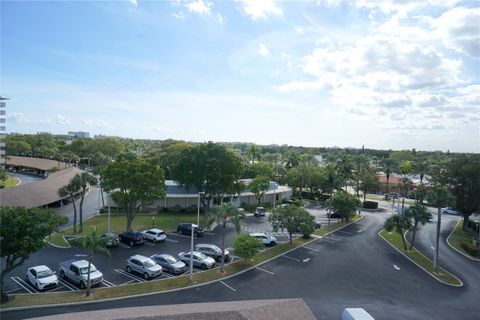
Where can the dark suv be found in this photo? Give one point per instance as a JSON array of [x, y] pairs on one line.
[[131, 237], [186, 228]]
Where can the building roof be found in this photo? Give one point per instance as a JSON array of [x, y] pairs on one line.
[[40, 193], [280, 309], [391, 180], [37, 163]]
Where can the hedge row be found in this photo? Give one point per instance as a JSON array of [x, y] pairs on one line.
[[370, 204]]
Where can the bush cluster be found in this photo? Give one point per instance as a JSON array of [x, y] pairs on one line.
[[370, 204], [470, 247]]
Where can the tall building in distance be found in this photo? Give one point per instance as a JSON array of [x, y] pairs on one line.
[[78, 134], [3, 106]]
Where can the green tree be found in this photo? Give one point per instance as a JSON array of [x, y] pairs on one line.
[[224, 214], [419, 214], [85, 179], [17, 147], [345, 203], [246, 247], [209, 168], [292, 218], [92, 243], [368, 181], [259, 186], [253, 153], [388, 167], [132, 182], [259, 169], [21, 233], [291, 159], [70, 190], [400, 224]]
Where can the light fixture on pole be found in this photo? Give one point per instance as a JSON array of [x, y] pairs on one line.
[[191, 251]]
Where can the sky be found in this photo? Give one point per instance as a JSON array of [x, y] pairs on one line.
[[385, 74]]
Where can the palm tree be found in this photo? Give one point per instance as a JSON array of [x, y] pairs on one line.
[[399, 223], [421, 168], [86, 179], [92, 243], [291, 159], [253, 152], [226, 212], [70, 190], [388, 166], [419, 214]]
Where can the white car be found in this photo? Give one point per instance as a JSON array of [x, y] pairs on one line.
[[144, 266], [42, 278], [266, 240], [154, 235], [449, 211], [199, 260]]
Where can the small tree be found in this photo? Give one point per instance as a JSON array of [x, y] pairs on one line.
[[291, 218], [92, 243], [345, 203], [246, 247], [226, 212], [21, 233], [70, 190], [418, 214], [400, 223], [259, 186], [86, 179]]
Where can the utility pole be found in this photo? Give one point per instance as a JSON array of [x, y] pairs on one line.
[[439, 220]]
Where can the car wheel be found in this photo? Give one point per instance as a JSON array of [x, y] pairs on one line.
[[82, 285], [36, 286], [146, 276], [272, 243], [154, 240], [131, 243], [204, 267], [62, 274], [129, 269]]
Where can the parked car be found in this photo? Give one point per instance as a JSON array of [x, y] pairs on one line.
[[144, 266], [213, 251], [259, 212], [266, 239], [154, 235], [449, 211], [392, 195], [77, 272], [169, 263], [318, 224], [335, 215], [112, 239], [186, 228], [42, 277], [200, 260], [242, 213], [132, 237]]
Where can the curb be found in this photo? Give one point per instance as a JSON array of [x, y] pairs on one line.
[[448, 242], [69, 246], [170, 290], [428, 272]]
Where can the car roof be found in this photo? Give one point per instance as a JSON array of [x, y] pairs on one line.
[[155, 230], [163, 255], [139, 257], [209, 245], [255, 234], [80, 263], [40, 268]]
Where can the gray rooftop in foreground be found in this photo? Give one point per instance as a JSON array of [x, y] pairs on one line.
[[279, 309]]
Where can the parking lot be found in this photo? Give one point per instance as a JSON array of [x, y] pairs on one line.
[[113, 268]]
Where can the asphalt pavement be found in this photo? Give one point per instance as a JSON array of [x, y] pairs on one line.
[[352, 267]]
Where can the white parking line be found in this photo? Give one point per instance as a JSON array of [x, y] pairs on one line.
[[128, 282], [168, 275], [288, 257], [23, 284], [396, 267], [226, 285], [270, 272], [13, 290], [131, 276], [66, 285], [108, 283], [171, 240], [123, 245], [316, 250]]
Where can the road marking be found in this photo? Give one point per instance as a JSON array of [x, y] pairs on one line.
[[305, 259], [360, 231], [226, 285], [13, 290], [131, 276], [167, 275], [23, 284], [433, 248], [128, 282], [270, 272], [66, 285], [346, 232], [316, 250], [396, 267], [288, 257], [124, 245], [171, 240], [108, 283]]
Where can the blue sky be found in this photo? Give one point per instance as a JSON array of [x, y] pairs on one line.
[[384, 74]]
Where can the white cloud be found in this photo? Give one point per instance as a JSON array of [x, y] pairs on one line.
[[459, 29], [260, 9], [58, 119], [180, 15], [97, 123], [263, 50], [300, 30], [200, 7], [134, 2], [61, 119], [391, 6]]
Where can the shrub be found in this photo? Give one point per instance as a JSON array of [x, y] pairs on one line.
[[472, 225], [246, 247], [249, 207], [370, 204], [468, 246]]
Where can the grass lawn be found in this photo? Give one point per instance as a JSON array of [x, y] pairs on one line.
[[377, 198], [334, 226], [395, 240], [10, 182], [166, 221], [164, 284], [458, 235]]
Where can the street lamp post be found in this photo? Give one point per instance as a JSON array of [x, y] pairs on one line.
[[108, 202], [191, 252]]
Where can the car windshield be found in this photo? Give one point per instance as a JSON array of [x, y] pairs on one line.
[[85, 270], [201, 256], [171, 259], [149, 263], [44, 274]]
